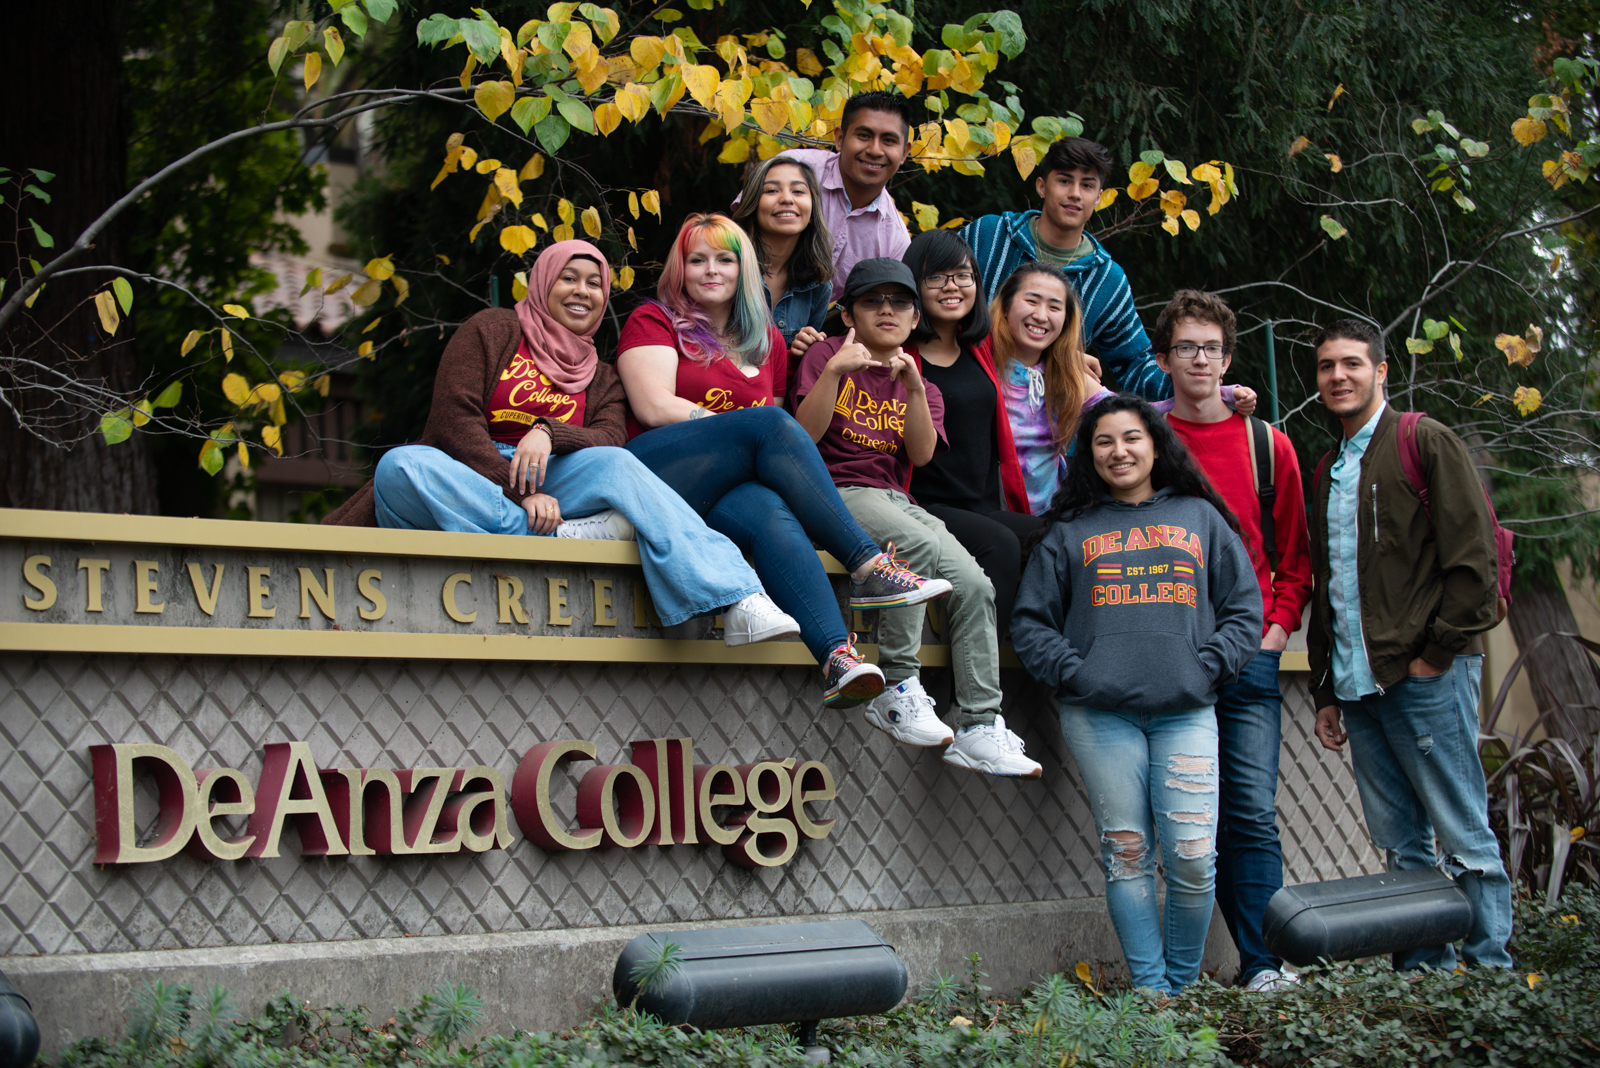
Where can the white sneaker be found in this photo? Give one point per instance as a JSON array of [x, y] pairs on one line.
[[756, 619], [1271, 981], [906, 714], [993, 750], [608, 525]]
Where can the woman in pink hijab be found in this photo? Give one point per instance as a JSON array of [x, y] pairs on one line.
[[525, 436]]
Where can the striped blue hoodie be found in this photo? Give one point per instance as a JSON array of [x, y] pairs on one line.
[[1111, 325]]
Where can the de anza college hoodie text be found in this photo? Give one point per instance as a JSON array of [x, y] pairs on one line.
[[1149, 607]]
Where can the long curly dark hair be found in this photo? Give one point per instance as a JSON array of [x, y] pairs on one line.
[[1083, 487]]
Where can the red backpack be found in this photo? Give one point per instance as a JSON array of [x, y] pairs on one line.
[[1505, 556]]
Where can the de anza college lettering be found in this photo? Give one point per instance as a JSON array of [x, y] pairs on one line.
[[660, 798]]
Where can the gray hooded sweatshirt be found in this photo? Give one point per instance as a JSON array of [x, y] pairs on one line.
[[1147, 607]]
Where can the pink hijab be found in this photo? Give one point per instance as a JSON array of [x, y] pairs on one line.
[[568, 360]]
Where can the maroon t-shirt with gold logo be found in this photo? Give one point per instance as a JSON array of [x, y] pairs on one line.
[[717, 386], [523, 396], [865, 444]]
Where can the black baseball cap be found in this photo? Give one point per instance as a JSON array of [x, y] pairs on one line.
[[872, 273]]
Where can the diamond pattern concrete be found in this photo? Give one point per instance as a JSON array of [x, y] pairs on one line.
[[911, 832]]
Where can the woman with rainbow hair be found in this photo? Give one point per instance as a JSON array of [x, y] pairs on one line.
[[705, 373]]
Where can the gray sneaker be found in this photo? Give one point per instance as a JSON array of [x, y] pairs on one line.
[[1271, 981], [890, 584]]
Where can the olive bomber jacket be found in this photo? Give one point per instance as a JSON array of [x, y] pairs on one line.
[[1428, 586]]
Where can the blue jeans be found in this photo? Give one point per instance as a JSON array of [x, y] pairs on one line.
[[757, 477], [1415, 753], [691, 569], [1249, 856], [1152, 776]]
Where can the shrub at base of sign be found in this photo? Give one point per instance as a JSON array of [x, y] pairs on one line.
[[661, 798]]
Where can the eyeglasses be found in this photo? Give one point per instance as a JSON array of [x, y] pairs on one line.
[[964, 279], [1185, 350], [877, 300]]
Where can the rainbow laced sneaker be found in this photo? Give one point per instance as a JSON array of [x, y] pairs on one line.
[[849, 680], [890, 584]]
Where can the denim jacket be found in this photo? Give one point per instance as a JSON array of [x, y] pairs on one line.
[[802, 307]]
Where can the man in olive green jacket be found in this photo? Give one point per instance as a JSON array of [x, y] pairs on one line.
[[1401, 602]]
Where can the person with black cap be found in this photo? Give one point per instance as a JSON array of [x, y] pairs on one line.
[[863, 400]]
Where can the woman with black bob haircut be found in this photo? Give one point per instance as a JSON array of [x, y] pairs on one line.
[[976, 489], [1139, 603]]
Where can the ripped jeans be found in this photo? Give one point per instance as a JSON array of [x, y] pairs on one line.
[[1414, 749], [1153, 775]]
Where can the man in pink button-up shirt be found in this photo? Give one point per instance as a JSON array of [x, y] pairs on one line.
[[873, 139]]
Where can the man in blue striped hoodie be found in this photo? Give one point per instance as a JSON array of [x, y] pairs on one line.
[[1073, 173]]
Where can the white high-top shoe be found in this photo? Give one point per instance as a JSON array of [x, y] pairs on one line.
[[907, 714]]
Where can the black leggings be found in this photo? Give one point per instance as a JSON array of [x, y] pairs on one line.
[[995, 540]]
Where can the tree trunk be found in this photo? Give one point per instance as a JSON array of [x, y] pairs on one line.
[[60, 78], [1560, 673]]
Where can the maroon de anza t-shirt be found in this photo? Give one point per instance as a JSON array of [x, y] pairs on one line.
[[865, 444], [719, 386]]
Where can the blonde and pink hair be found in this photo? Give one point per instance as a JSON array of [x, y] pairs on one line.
[[747, 319]]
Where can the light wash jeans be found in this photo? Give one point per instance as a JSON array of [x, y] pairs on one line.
[[1415, 753], [929, 549], [690, 568], [1152, 775]]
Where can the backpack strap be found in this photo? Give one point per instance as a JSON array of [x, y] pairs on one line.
[[1411, 457], [1263, 470]]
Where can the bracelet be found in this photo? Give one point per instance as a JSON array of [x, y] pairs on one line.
[[547, 431]]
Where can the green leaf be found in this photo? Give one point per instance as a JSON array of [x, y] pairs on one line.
[[43, 176], [297, 33], [170, 396], [36, 191], [1475, 149], [1013, 39], [124, 293], [1155, 157], [530, 110], [437, 29], [552, 132], [1463, 201], [116, 427], [1332, 227], [44, 239], [483, 39], [576, 114], [211, 458], [899, 27], [553, 34], [356, 19], [277, 52], [382, 10], [775, 48], [1416, 346], [1433, 329]]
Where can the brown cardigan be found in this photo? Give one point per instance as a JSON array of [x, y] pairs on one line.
[[458, 423]]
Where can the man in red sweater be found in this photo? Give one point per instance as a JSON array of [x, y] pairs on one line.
[[1193, 341]]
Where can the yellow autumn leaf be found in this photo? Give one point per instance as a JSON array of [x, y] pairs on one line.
[[313, 71], [1191, 218], [486, 165], [1025, 157], [1107, 198], [927, 215], [1139, 172], [1527, 400], [367, 293], [244, 453], [806, 60], [505, 180], [402, 290], [338, 284], [1170, 225], [1172, 202], [563, 232], [1534, 979], [591, 222], [227, 347], [235, 388], [770, 115], [1515, 348], [106, 305], [1300, 144], [632, 241], [652, 203], [1085, 977], [633, 204], [365, 349], [293, 381], [1337, 93], [623, 279], [701, 80], [531, 169], [954, 224], [1534, 337], [236, 311], [565, 210], [538, 220], [633, 101], [517, 240], [494, 99], [1142, 190], [519, 286], [607, 117], [190, 340], [380, 267], [273, 438], [469, 156], [736, 150], [370, 327], [1335, 164], [647, 52], [960, 1021], [1528, 130], [263, 394]]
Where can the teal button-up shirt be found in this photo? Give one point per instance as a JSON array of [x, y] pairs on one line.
[[1352, 671]]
